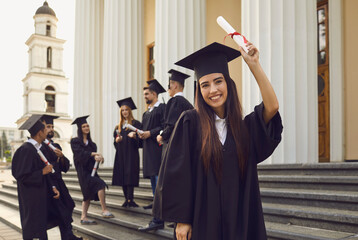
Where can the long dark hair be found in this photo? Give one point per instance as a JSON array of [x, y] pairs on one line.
[[80, 135], [211, 150]]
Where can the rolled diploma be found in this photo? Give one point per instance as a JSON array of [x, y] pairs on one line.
[[229, 29], [94, 169], [117, 133], [127, 125], [48, 143], [44, 159]]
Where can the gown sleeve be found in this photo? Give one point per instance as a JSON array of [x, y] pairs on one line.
[[64, 163], [264, 137], [173, 111], [21, 168], [174, 196], [81, 154], [155, 131]]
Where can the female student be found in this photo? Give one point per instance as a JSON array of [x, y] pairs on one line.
[[126, 162], [85, 156], [208, 182]]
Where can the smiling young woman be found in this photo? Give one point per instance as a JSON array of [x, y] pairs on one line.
[[208, 182]]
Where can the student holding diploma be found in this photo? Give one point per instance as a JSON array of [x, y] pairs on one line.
[[35, 187], [85, 156], [64, 205], [208, 182], [126, 143]]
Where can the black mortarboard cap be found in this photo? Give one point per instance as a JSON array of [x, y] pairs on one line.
[[128, 102], [177, 76], [155, 86], [33, 124], [80, 120], [213, 58], [48, 118]]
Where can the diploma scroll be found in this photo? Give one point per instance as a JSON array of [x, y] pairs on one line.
[[44, 159], [48, 143], [131, 127], [238, 38], [94, 169]]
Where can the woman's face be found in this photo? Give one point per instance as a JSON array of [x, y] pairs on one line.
[[213, 88], [85, 128], [125, 111]]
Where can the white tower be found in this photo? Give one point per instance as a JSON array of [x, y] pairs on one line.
[[45, 84]]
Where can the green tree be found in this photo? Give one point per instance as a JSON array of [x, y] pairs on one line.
[[4, 146]]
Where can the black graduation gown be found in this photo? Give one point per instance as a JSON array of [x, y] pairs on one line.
[[34, 191], [174, 108], [230, 210], [65, 204], [126, 161], [84, 164], [154, 122]]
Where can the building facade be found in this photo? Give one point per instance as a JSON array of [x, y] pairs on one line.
[[45, 84], [307, 49]]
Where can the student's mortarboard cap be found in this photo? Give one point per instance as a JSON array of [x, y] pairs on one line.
[[128, 102], [213, 58], [155, 86], [48, 118], [33, 124], [177, 76], [80, 120]]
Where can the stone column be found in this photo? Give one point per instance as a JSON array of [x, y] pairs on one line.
[[122, 65], [285, 33], [88, 66], [179, 31]]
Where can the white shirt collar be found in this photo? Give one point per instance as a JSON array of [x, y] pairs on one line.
[[154, 106], [221, 128], [179, 94], [34, 143]]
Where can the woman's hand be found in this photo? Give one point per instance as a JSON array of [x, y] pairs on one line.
[[183, 231], [118, 139], [252, 57]]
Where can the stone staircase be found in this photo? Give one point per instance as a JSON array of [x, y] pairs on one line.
[[318, 201]]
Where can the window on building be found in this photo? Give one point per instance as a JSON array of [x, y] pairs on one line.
[[50, 99], [56, 135], [49, 57], [48, 30], [150, 61]]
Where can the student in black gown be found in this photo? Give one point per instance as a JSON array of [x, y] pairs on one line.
[[126, 161], [176, 105], [208, 181], [35, 187], [85, 156], [64, 205], [153, 123]]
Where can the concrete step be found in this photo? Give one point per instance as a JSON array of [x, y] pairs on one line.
[[128, 220], [316, 217], [280, 231], [103, 175], [307, 197], [337, 183], [332, 169], [123, 226], [145, 186], [113, 192]]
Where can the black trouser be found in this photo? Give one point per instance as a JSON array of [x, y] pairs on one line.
[[128, 192], [66, 231]]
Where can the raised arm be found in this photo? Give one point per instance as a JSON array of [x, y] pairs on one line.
[[268, 94]]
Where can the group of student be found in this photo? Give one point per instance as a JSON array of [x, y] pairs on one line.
[[201, 162]]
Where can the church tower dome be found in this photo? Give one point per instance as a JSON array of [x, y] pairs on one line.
[[45, 9]]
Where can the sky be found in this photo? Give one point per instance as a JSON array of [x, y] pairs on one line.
[[16, 26]]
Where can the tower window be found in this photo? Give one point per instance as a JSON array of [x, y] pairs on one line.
[[48, 30], [50, 97], [49, 57]]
